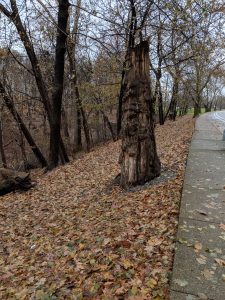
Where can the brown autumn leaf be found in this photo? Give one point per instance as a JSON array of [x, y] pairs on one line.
[[222, 226], [220, 262], [76, 234], [198, 246]]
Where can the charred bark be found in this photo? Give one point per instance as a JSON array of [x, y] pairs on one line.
[[130, 44], [139, 160]]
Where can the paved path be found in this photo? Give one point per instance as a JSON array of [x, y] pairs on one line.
[[199, 264]]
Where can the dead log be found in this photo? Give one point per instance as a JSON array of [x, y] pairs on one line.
[[11, 180]]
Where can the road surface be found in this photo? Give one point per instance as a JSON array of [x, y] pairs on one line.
[[218, 117], [199, 263]]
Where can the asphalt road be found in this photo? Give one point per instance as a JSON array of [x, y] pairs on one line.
[[218, 117]]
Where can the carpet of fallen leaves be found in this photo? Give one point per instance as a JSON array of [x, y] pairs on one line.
[[77, 236]]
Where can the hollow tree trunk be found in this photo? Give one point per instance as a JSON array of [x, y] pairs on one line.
[[131, 41], [138, 159]]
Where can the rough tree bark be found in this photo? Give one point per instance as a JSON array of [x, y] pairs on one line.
[[139, 160], [55, 125], [131, 42]]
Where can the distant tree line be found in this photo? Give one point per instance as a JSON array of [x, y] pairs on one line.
[[81, 72]]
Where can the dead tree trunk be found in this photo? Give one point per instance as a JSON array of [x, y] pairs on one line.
[[139, 160], [131, 41]]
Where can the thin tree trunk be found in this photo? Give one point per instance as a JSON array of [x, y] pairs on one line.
[[77, 142], [160, 106], [18, 119], [71, 48], [196, 110], [3, 157], [106, 119], [14, 16], [80, 112], [173, 104], [139, 160]]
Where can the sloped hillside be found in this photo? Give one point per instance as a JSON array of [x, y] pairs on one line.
[[78, 236]]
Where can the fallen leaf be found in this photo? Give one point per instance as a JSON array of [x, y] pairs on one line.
[[220, 262], [207, 274], [151, 283], [181, 283], [222, 226], [126, 263], [202, 296], [198, 246], [120, 291], [201, 260]]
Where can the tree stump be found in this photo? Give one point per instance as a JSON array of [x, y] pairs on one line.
[[139, 160]]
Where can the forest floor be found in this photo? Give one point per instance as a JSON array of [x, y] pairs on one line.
[[78, 236]]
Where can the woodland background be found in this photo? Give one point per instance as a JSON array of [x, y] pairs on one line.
[[187, 59]]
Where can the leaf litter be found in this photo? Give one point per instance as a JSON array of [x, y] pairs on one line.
[[73, 238]]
